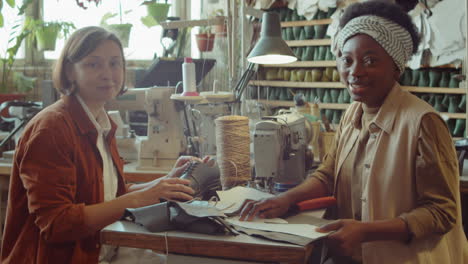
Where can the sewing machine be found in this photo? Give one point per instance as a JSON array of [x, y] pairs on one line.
[[164, 142], [280, 144], [19, 114], [202, 127]]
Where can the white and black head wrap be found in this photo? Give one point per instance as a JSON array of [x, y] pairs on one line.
[[393, 38]]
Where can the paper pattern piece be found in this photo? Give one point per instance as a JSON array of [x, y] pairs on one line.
[[230, 201], [304, 230]]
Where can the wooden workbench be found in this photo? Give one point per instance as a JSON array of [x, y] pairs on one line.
[[240, 247], [5, 169], [133, 174]]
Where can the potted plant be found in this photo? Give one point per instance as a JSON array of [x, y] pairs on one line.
[[14, 85], [157, 12], [46, 33], [205, 39], [121, 30], [220, 29]]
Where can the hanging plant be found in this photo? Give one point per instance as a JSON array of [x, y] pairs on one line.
[[46, 33], [205, 39], [121, 30], [157, 12]]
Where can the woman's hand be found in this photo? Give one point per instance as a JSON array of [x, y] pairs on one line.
[[266, 208], [209, 160], [181, 164], [348, 236], [164, 188]]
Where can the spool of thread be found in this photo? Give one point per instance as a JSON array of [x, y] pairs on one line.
[[215, 86], [188, 78], [233, 150]]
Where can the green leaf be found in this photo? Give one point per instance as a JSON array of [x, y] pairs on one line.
[[15, 26], [105, 17], [149, 21], [11, 3]]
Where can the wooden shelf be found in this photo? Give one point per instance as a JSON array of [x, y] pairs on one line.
[[298, 84], [454, 115], [306, 23], [445, 66], [413, 89], [219, 20], [299, 64], [417, 89], [306, 64], [278, 103], [332, 63], [309, 42], [317, 64]]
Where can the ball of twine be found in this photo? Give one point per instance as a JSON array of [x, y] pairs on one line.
[[233, 150]]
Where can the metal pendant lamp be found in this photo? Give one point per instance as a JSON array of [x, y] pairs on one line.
[[271, 48]]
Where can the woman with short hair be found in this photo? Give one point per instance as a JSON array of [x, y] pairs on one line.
[[67, 179]]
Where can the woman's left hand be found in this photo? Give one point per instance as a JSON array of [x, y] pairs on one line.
[[348, 236], [182, 163]]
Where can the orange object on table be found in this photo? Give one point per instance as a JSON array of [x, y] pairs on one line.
[[316, 203]]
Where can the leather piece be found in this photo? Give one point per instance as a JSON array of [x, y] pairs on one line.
[[191, 217], [204, 180]]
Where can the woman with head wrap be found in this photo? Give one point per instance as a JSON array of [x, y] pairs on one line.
[[393, 167]]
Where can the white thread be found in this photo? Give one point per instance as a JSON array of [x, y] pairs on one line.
[[214, 199], [167, 247]]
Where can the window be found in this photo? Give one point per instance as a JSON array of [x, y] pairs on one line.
[[10, 19], [195, 14], [144, 42]]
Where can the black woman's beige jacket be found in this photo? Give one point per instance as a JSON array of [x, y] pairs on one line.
[[391, 189]]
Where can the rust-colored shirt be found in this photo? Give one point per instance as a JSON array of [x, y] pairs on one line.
[[57, 171]]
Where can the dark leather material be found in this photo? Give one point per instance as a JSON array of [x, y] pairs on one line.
[[154, 217], [198, 217], [204, 180]]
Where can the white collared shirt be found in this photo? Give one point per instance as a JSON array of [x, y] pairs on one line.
[[103, 126]]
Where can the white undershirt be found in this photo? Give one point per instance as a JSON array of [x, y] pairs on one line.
[[109, 173]]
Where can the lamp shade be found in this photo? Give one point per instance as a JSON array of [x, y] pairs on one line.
[[271, 48]]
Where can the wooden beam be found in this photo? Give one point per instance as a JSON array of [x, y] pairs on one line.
[[309, 42], [306, 23], [299, 64], [194, 23]]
